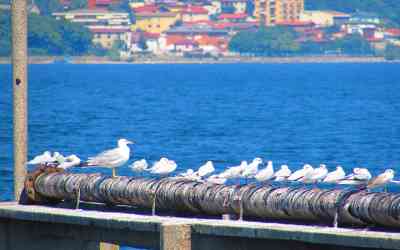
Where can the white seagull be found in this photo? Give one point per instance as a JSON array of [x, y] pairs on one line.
[[335, 176], [265, 174], [190, 175], [359, 176], [206, 169], [382, 179], [112, 158], [251, 170], [318, 174], [234, 172], [41, 159], [216, 179], [139, 166], [283, 173], [297, 175], [163, 167], [69, 162]]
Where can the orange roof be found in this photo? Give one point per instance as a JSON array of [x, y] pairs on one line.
[[179, 40]]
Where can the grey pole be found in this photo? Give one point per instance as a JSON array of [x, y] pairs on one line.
[[20, 85]]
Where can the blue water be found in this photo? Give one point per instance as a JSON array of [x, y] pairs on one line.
[[346, 114]]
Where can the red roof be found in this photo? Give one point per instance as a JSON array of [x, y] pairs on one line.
[[232, 16], [151, 8], [393, 32], [295, 23], [194, 10]]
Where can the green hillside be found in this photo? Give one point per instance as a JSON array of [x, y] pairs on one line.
[[388, 9]]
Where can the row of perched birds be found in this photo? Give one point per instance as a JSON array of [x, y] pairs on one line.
[[117, 157]]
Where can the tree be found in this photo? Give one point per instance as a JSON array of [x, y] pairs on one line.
[[78, 4], [353, 44], [392, 52], [48, 6], [273, 41]]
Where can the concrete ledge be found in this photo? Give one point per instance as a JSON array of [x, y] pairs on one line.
[[110, 226]]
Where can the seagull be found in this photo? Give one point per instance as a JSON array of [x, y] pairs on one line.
[[265, 174], [163, 167], [251, 170], [139, 166], [44, 158], [335, 176], [190, 175], [216, 179], [283, 173], [112, 158], [297, 175], [234, 172], [359, 176], [206, 169], [318, 174], [382, 179], [69, 162]]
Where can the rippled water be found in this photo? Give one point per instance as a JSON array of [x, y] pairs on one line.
[[345, 114]]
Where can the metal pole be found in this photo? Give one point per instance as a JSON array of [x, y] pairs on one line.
[[20, 85]]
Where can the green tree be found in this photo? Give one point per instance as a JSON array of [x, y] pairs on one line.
[[392, 52], [48, 6], [273, 41], [78, 4], [353, 45]]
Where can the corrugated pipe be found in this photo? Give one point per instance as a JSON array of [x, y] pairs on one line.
[[252, 201]]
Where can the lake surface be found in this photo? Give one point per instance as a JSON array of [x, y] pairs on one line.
[[346, 114]]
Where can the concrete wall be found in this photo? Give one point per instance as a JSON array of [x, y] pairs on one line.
[[47, 228]]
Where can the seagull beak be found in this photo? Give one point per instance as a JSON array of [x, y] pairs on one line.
[[130, 142]]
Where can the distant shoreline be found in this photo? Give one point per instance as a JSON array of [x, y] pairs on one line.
[[223, 60]]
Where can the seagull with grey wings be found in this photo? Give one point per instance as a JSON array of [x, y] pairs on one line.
[[112, 158]]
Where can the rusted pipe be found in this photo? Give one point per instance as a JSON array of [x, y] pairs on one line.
[[255, 201]]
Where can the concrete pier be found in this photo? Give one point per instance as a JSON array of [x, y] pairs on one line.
[[46, 228]]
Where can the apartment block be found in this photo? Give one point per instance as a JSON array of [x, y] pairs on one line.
[[270, 12]]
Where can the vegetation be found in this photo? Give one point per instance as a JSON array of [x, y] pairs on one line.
[[392, 52], [389, 9], [272, 41], [47, 36], [349, 45]]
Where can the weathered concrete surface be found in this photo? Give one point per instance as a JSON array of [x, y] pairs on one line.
[[175, 236], [145, 230]]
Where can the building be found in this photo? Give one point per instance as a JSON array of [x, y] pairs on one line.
[[107, 27], [322, 18], [233, 6], [194, 13], [366, 24], [155, 22], [269, 12], [232, 17], [107, 36]]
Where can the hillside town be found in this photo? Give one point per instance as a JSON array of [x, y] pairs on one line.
[[206, 27]]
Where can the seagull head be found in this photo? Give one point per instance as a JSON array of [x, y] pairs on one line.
[[339, 168], [257, 160], [285, 167], [124, 141], [307, 166], [389, 171], [322, 166]]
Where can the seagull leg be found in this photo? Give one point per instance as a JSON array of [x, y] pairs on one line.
[[78, 197], [114, 174]]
